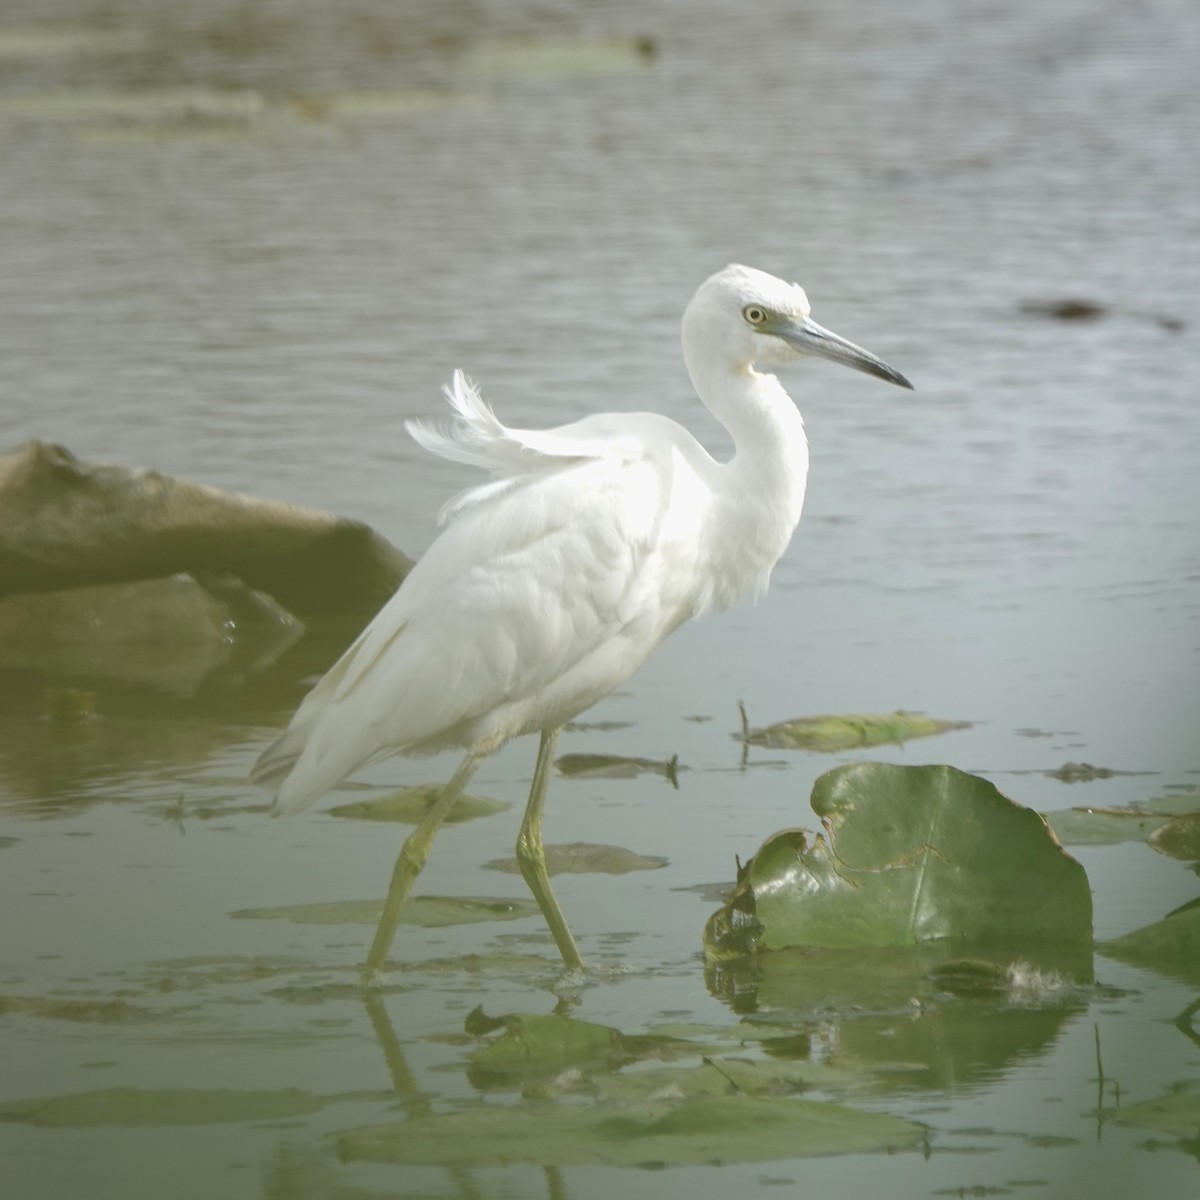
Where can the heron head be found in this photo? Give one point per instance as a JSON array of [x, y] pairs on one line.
[[750, 317]]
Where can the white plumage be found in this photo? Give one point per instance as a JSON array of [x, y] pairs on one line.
[[553, 583]]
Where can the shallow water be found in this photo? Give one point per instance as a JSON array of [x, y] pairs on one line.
[[252, 271]]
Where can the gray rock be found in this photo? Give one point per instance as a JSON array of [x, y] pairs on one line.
[[65, 523]]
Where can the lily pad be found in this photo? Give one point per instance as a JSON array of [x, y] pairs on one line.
[[615, 766], [136, 1108], [535, 1046], [910, 855], [847, 732], [585, 858], [1082, 772], [713, 1077], [1177, 1112], [408, 805], [727, 1128], [546, 58], [1179, 837], [1104, 826], [1171, 945], [161, 105], [431, 912], [87, 1012]]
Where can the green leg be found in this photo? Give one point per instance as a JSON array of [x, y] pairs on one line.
[[531, 857], [408, 865]]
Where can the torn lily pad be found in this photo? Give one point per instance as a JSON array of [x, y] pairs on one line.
[[909, 855]]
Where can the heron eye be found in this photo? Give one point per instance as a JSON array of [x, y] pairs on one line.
[[754, 314]]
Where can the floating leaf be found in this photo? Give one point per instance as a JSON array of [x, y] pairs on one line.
[[1171, 945], [1177, 1112], [1179, 837], [177, 109], [833, 733], [585, 858], [615, 766], [910, 855], [89, 1012], [546, 58], [1104, 826], [713, 1077], [727, 1128], [535, 1046], [495, 962], [429, 911], [138, 1109], [51, 41], [1082, 772], [408, 805]]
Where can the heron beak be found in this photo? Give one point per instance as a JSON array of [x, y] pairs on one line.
[[806, 336]]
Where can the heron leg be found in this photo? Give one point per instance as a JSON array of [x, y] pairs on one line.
[[531, 856], [410, 861]]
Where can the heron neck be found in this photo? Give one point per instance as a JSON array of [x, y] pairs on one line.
[[770, 458]]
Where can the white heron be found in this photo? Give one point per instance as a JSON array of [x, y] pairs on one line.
[[552, 584]]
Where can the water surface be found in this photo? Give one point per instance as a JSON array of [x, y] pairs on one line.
[[243, 246]]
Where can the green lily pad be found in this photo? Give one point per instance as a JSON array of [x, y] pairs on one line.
[[910, 855], [1179, 837], [585, 858], [19, 42], [848, 732], [170, 104], [727, 1128], [408, 805], [615, 766], [1177, 1112], [136, 1108], [87, 1012], [1171, 945], [431, 912], [497, 962], [1105, 826], [535, 1046], [547, 58], [1102, 826], [713, 1077]]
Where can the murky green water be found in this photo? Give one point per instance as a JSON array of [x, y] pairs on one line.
[[243, 244]]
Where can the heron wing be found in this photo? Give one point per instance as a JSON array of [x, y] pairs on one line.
[[539, 599]]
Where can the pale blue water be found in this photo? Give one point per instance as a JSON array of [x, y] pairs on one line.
[[259, 303]]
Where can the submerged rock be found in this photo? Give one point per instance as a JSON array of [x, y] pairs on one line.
[[169, 634], [65, 523]]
